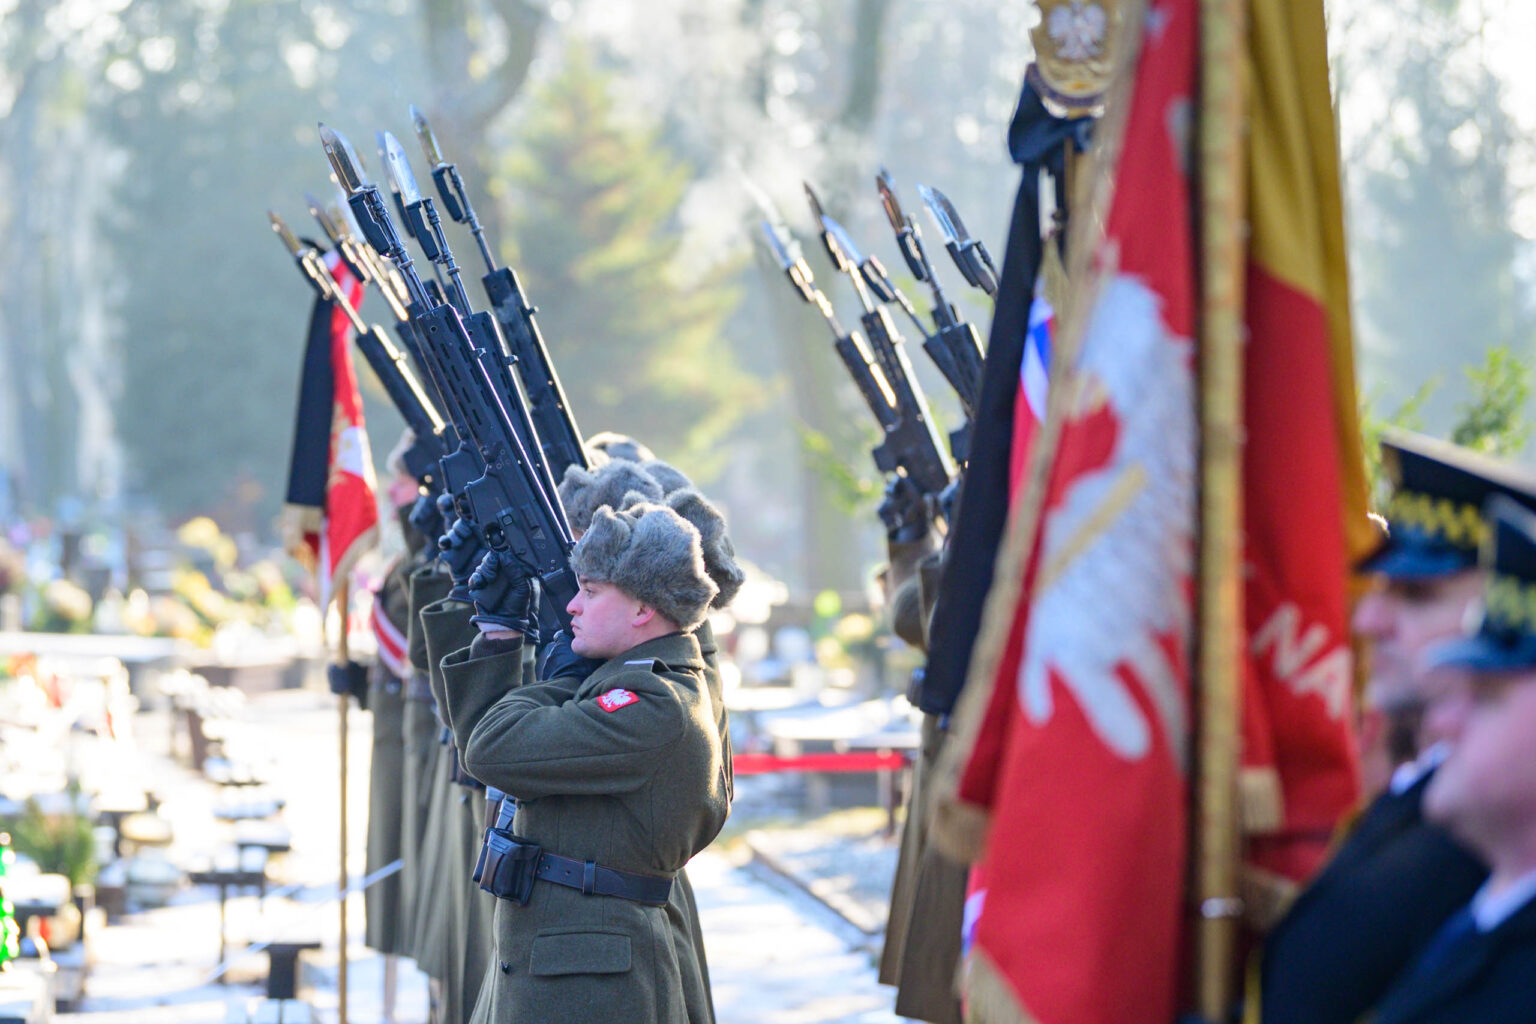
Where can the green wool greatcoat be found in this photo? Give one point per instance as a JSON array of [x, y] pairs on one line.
[[419, 729], [639, 788], [442, 901], [386, 703]]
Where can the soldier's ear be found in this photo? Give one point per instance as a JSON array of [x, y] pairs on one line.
[[643, 615]]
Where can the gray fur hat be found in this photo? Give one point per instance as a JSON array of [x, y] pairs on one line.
[[669, 476], [395, 461], [653, 555], [584, 491], [619, 446], [719, 553]]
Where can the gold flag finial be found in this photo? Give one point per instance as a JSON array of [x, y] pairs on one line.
[[1075, 46]]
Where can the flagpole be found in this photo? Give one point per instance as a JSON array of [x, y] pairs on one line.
[[1219, 640], [343, 602]]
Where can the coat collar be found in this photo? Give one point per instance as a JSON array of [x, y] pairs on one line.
[[676, 651]]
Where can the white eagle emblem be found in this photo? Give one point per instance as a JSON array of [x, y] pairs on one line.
[[1078, 30], [1118, 548]]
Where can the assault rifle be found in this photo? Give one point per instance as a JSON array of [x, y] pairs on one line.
[[551, 412], [371, 268], [388, 362], [922, 454], [507, 503], [913, 465], [953, 345], [484, 333]]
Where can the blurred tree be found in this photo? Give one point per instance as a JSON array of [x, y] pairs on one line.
[[593, 210], [479, 53], [214, 107], [1435, 252], [1492, 420]]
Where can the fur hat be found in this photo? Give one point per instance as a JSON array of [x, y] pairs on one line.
[[395, 462], [653, 555], [619, 446], [669, 476], [584, 491], [719, 554]]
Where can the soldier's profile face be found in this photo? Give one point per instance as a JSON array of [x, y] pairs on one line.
[[1401, 619], [1486, 789], [602, 620]]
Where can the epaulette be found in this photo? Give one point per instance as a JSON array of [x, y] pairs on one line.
[[654, 664]]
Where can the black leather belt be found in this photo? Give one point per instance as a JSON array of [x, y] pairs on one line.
[[594, 879], [508, 867]]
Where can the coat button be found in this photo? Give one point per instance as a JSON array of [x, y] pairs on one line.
[[506, 967]]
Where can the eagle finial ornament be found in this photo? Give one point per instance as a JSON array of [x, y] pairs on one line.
[[1075, 46]]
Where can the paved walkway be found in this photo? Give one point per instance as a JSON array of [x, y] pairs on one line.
[[776, 955]]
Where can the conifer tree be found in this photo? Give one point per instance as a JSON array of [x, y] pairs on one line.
[[592, 205]]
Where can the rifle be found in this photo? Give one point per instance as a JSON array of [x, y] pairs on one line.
[[969, 254], [954, 345], [485, 335], [901, 452], [388, 362], [547, 403], [507, 505], [382, 275], [923, 458]]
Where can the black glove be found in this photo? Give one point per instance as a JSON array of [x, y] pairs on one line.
[[425, 517], [557, 660], [904, 511], [461, 552], [505, 596], [349, 680]]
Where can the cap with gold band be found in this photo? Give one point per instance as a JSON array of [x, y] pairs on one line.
[[1435, 514], [1504, 636]]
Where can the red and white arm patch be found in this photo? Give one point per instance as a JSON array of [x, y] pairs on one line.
[[615, 699]]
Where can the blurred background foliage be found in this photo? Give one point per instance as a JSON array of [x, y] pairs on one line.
[[152, 329]]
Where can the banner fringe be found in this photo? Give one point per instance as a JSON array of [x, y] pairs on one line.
[[988, 997], [1261, 800]]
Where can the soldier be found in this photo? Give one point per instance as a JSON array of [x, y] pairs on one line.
[[618, 775], [922, 935], [386, 700], [1480, 967], [720, 565], [1395, 879]]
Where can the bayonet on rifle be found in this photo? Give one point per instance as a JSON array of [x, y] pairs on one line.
[[954, 346], [969, 254], [450, 186], [558, 436], [912, 442], [388, 362]]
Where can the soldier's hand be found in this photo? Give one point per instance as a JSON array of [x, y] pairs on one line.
[[505, 596], [461, 553], [904, 511], [426, 517]]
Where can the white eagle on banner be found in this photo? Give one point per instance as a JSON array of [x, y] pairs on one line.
[[1117, 552]]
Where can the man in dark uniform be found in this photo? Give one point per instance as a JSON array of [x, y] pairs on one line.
[[1395, 879], [1480, 967], [618, 775]]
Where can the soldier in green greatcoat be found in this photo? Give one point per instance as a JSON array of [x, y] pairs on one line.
[[582, 494], [618, 775], [386, 702]]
